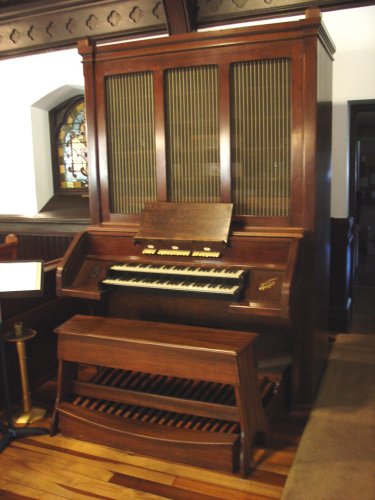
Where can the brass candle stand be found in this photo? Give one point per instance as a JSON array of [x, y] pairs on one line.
[[19, 336]]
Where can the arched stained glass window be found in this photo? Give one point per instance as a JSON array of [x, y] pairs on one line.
[[72, 149]]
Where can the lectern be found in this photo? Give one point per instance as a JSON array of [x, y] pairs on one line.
[[17, 279]]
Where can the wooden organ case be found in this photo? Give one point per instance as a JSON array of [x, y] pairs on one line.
[[209, 163]]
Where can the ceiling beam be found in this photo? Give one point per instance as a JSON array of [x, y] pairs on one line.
[[180, 16]]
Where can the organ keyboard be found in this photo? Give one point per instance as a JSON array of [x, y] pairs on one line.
[[209, 272], [191, 280]]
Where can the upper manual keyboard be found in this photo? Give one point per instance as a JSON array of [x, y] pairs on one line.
[[166, 270]]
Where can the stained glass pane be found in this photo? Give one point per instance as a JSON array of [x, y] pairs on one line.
[[72, 149]]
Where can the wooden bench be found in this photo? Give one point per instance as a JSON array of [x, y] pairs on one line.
[[183, 393]]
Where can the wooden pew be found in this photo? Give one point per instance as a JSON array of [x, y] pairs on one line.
[[8, 249]]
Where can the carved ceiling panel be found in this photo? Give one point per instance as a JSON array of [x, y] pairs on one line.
[[211, 12], [64, 26]]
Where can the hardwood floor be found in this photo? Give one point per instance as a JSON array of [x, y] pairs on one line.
[[44, 467]]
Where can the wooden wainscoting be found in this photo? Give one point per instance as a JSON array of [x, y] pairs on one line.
[[40, 241]]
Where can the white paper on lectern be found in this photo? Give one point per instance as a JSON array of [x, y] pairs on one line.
[[20, 276]]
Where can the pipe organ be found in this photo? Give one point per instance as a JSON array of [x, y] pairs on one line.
[[209, 160]]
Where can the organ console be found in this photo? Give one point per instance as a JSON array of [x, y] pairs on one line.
[[169, 299], [177, 278], [242, 279]]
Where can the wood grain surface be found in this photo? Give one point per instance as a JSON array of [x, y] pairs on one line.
[[59, 467]]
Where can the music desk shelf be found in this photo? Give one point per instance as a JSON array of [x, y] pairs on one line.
[[178, 392]]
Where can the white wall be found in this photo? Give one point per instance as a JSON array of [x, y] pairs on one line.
[[25, 178], [25, 82], [353, 32]]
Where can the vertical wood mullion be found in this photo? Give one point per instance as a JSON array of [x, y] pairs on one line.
[[224, 132], [160, 136]]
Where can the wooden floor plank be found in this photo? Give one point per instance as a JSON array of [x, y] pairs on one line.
[[106, 453], [280, 469], [87, 461], [39, 461], [283, 456], [83, 461], [96, 471], [271, 478], [61, 481], [171, 492], [19, 473], [13, 491], [217, 491]]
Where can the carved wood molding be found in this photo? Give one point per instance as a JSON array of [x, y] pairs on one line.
[[34, 27], [214, 12], [28, 26]]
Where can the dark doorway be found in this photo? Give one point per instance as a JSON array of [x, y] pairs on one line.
[[362, 209], [362, 188]]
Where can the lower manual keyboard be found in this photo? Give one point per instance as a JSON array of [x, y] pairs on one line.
[[177, 286]]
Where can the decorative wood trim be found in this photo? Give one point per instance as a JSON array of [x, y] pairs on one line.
[[39, 25], [35, 26], [17, 225], [215, 12]]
